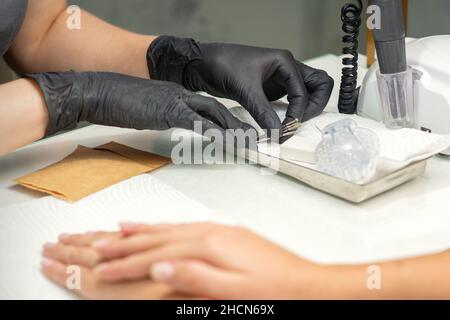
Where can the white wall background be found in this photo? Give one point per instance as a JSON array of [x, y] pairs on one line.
[[307, 27]]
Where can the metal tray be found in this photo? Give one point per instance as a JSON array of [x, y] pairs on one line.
[[340, 188]]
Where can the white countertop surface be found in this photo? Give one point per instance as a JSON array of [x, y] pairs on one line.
[[275, 205]]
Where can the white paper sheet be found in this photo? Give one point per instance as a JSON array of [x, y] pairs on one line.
[[25, 228], [316, 233]]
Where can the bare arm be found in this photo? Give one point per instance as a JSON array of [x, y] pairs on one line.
[[221, 262], [23, 114], [418, 278], [46, 44]]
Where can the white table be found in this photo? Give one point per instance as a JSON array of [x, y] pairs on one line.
[[274, 205]]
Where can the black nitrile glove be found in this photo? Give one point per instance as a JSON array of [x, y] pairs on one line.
[[122, 101], [249, 75]]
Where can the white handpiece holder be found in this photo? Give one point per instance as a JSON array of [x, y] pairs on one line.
[[397, 98]]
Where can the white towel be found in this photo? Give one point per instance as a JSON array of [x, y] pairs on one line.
[[26, 227]]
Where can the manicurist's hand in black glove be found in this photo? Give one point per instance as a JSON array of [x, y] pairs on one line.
[[123, 101], [249, 75]]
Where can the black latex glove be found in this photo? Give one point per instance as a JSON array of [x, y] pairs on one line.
[[127, 102], [249, 75]]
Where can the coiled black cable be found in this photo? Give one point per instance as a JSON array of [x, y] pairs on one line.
[[351, 23]]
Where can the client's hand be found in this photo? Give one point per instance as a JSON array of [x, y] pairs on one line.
[[219, 262], [76, 250], [201, 260]]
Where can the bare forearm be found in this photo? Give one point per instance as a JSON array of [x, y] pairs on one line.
[[46, 44], [23, 114], [420, 278]]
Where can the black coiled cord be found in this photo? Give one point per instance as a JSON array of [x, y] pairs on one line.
[[351, 23]]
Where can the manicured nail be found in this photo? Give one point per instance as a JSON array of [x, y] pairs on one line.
[[101, 267], [64, 236], [46, 262], [101, 243], [128, 225], [162, 271], [49, 245]]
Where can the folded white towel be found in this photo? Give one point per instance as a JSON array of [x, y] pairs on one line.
[[402, 145], [398, 148]]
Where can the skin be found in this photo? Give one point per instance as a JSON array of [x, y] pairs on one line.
[[23, 114], [45, 44], [91, 286], [221, 262], [192, 260]]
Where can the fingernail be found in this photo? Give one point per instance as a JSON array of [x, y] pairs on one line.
[[101, 267], [127, 225], [64, 236], [49, 245], [162, 271], [46, 262], [101, 243]]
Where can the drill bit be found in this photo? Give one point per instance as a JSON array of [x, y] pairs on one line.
[[287, 130]]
